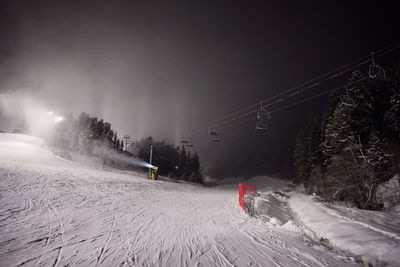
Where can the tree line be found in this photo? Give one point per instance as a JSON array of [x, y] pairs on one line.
[[173, 161], [92, 136], [86, 133], [354, 146]]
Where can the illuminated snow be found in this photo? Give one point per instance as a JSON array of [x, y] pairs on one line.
[[58, 212]]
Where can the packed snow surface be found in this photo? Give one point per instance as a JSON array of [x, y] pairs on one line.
[[374, 236], [54, 212]]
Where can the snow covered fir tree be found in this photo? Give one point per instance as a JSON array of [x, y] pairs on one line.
[[94, 137]]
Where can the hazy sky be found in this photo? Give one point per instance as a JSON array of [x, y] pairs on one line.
[[161, 68]]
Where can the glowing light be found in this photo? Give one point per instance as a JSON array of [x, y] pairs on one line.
[[145, 164], [51, 113], [59, 118]]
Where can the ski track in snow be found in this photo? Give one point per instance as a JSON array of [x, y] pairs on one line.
[[55, 213]]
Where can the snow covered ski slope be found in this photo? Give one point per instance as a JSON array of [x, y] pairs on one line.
[[54, 212]]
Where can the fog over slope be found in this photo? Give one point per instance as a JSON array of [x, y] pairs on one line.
[[161, 69]]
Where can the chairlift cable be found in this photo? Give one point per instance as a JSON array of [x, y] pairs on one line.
[[295, 103], [238, 122], [306, 99], [284, 107], [358, 62]]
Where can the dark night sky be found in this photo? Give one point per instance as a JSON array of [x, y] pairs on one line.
[[160, 68]]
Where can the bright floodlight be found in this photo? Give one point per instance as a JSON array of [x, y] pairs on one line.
[[51, 113], [59, 118]]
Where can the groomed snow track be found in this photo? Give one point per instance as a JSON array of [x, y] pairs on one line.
[[55, 212]]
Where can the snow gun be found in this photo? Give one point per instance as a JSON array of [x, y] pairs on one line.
[[154, 173]]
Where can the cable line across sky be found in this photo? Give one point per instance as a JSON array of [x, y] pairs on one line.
[[242, 115]]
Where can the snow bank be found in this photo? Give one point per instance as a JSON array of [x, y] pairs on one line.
[[364, 234]]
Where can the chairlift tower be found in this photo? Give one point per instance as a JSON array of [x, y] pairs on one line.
[[151, 158], [127, 141]]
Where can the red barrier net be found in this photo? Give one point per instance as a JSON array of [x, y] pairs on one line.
[[245, 189]]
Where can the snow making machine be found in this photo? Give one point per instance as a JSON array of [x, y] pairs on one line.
[[154, 173]]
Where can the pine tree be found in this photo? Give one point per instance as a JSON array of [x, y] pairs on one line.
[[342, 181], [100, 130], [392, 116], [93, 130], [341, 152], [107, 135], [301, 166], [174, 165], [314, 139], [333, 102], [182, 161], [338, 134], [143, 148], [378, 159], [188, 169], [391, 127], [363, 114], [196, 174]]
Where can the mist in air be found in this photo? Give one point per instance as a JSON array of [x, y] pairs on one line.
[[164, 69]]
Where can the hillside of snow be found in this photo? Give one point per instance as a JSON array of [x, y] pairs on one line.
[[56, 212]]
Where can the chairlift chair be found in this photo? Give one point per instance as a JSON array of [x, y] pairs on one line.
[[262, 116], [263, 113], [375, 71], [261, 126], [185, 140], [347, 100], [213, 131]]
